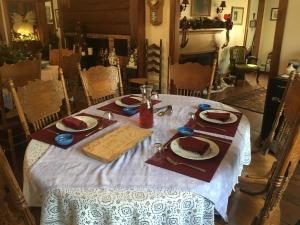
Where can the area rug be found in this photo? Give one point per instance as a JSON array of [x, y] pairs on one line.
[[253, 100]]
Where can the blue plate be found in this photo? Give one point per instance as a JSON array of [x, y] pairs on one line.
[[185, 131], [130, 111], [64, 139], [204, 107]]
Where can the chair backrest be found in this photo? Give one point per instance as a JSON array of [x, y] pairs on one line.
[[39, 102], [153, 62], [11, 197], [191, 79], [20, 72], [238, 55], [101, 83], [55, 54], [288, 143]]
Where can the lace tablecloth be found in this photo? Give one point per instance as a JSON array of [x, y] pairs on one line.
[[77, 189]]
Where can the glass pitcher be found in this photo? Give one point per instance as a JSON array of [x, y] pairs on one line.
[[146, 109]]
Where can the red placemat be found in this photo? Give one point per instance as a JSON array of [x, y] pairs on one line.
[[47, 135], [210, 165], [114, 108], [224, 129]]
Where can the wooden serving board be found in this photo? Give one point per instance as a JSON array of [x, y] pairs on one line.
[[112, 145]]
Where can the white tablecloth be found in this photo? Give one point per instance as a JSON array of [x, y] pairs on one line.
[[71, 182]]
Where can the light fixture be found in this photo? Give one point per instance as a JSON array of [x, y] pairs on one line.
[[221, 7], [183, 5]]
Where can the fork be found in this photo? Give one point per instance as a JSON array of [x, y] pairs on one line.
[[175, 163], [94, 131], [212, 127]]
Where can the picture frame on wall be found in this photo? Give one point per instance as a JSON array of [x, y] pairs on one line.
[[200, 8], [274, 14], [237, 15]]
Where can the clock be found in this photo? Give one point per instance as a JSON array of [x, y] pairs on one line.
[[156, 11]]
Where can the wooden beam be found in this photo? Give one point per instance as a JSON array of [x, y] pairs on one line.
[[247, 23], [279, 32], [259, 21]]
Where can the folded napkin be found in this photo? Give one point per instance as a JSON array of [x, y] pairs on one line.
[[193, 145], [74, 123], [218, 116], [130, 100]]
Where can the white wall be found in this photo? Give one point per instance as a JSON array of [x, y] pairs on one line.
[[251, 30], [291, 44], [267, 32]]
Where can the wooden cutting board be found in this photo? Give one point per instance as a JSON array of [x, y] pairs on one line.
[[112, 145]]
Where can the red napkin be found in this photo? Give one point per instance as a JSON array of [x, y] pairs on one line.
[[218, 116], [74, 123], [130, 101], [193, 145]]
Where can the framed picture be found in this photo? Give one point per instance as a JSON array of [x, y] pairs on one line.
[[274, 14], [252, 23], [237, 14], [200, 7]]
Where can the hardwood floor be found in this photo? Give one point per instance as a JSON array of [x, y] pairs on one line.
[[290, 205]]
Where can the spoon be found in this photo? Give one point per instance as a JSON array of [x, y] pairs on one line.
[[168, 111]]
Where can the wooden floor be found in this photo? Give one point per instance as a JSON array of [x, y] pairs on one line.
[[291, 202]]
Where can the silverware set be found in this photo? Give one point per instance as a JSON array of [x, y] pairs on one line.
[[193, 117], [168, 110]]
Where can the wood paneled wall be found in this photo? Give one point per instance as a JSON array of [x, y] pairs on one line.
[[115, 17]]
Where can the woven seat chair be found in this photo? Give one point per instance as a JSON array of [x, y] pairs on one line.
[[239, 65], [40, 103], [191, 79], [101, 83], [266, 210], [13, 207]]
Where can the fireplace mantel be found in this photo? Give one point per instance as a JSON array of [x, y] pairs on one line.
[[206, 31]]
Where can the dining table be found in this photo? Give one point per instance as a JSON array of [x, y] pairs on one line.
[[74, 188]]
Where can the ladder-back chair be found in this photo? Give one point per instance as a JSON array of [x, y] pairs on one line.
[[40, 103], [20, 73], [191, 79], [288, 156], [101, 83], [13, 207], [153, 67]]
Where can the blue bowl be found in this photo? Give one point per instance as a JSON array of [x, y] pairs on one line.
[[130, 111], [204, 107], [185, 131], [64, 139]]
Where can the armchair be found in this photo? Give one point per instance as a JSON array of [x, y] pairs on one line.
[[239, 65]]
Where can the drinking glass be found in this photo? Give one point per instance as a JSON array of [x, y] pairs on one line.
[[159, 148]]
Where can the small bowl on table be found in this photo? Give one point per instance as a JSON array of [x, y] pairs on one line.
[[204, 107], [130, 111], [64, 139], [185, 131]]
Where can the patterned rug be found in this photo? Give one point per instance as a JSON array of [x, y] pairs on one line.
[[253, 100]]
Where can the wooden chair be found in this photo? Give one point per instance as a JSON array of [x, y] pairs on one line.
[[39, 103], [153, 67], [191, 79], [13, 207], [20, 73], [101, 83], [288, 144], [255, 176], [72, 77], [54, 55], [239, 65]]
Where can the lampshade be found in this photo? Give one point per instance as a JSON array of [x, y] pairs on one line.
[[223, 4]]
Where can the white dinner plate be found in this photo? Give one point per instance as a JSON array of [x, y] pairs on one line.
[[90, 122], [233, 118], [210, 153], [120, 103]]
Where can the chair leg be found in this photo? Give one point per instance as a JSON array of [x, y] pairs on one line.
[[257, 77], [12, 149]]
